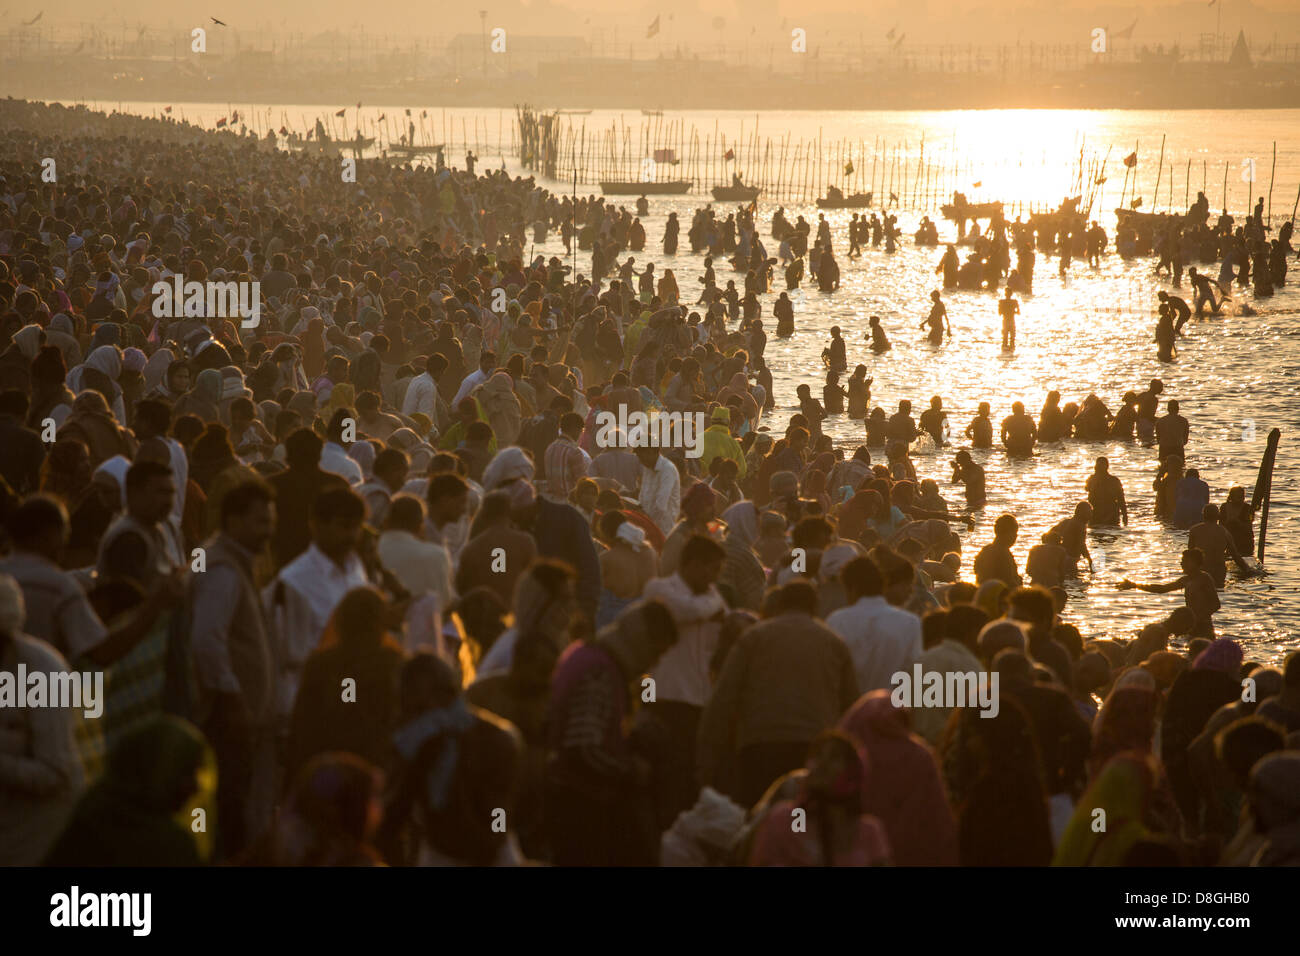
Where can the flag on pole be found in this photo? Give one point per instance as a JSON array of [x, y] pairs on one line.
[[1136, 203], [729, 154], [221, 122], [1131, 159], [848, 168], [1126, 33], [342, 112], [979, 184], [167, 109], [654, 29]]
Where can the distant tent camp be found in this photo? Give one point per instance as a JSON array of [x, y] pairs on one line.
[[1240, 54]]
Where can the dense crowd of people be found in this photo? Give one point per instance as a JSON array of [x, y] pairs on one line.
[[366, 588]]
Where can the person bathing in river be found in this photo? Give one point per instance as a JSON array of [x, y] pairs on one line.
[[1008, 308], [1019, 432], [1106, 496], [833, 393], [859, 393], [834, 355], [980, 430], [1199, 591], [879, 341], [937, 320], [1204, 293]]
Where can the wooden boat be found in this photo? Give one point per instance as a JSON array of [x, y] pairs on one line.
[[976, 210], [332, 147], [652, 112], [622, 188], [415, 150], [573, 112], [736, 193], [1139, 220], [856, 201]]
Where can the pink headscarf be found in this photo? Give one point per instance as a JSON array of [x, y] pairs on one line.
[[905, 790]]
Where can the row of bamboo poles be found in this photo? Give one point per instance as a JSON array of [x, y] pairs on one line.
[[898, 176], [788, 171]]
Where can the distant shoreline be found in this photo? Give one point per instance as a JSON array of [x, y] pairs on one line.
[[895, 92]]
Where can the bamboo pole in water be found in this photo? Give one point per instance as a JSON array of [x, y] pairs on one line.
[[875, 156], [1155, 201], [1270, 184], [1225, 185], [920, 165]]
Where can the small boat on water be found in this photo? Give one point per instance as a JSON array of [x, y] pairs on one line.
[[1131, 217], [573, 112], [736, 193], [415, 150], [856, 201], [649, 112], [672, 187], [968, 211]]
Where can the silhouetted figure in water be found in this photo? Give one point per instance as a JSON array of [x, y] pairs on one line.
[[1007, 308], [1165, 334], [783, 309], [934, 421], [970, 474], [828, 272], [859, 392], [671, 231], [879, 341], [1106, 496], [834, 355], [980, 430], [470, 160], [1199, 592], [937, 320], [833, 393], [1204, 293], [643, 206], [1181, 311], [1019, 432], [794, 273]]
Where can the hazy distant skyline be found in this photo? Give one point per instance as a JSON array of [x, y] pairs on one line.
[[692, 23]]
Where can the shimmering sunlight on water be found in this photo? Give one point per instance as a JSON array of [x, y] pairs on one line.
[[1091, 332]]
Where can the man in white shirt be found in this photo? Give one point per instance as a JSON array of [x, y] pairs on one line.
[[681, 676], [302, 597], [422, 391], [334, 453], [883, 640], [487, 364], [660, 495], [421, 567]]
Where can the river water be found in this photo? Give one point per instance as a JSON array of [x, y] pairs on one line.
[[1236, 377]]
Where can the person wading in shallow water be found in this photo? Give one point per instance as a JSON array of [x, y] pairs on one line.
[[1008, 308], [937, 321]]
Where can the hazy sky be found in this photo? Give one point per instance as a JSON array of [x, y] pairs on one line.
[[691, 21]]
